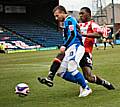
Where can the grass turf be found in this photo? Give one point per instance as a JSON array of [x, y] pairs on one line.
[[26, 67]]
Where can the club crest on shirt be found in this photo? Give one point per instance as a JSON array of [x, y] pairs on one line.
[[71, 27]]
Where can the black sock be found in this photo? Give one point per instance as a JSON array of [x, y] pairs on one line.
[[55, 66], [104, 45], [99, 81], [53, 69]]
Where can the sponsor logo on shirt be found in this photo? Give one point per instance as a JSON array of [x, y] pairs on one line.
[[71, 27]]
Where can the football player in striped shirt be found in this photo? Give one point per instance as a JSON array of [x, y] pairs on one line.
[[73, 49], [92, 30]]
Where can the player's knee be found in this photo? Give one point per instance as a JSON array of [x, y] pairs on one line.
[[58, 74], [72, 65], [60, 56], [61, 71], [90, 78], [57, 60]]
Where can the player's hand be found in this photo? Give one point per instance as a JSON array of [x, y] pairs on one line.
[[62, 49]]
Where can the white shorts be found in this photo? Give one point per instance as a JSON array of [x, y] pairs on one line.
[[75, 53]]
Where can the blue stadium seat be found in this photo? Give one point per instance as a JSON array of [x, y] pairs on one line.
[[40, 33]]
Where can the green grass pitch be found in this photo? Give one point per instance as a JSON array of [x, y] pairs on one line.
[[26, 67]]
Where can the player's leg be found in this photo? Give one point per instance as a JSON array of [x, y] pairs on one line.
[[90, 77], [55, 66], [72, 68], [73, 75], [53, 69], [78, 57], [111, 43], [86, 65], [96, 44], [104, 45], [104, 42], [73, 55], [96, 79], [65, 74]]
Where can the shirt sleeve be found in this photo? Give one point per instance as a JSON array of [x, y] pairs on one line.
[[71, 34], [96, 28]]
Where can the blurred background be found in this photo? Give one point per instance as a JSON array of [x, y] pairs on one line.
[[29, 24]]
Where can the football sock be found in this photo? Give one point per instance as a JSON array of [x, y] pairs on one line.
[[77, 78], [53, 69], [104, 45], [111, 44], [80, 79], [99, 81], [69, 77], [55, 66]]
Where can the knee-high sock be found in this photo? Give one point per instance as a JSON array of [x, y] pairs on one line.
[[80, 79], [69, 77], [75, 77], [55, 66]]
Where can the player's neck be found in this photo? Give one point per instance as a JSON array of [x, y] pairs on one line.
[[66, 15], [89, 18]]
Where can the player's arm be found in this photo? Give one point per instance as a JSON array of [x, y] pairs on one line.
[[93, 35], [78, 28], [71, 28], [97, 31]]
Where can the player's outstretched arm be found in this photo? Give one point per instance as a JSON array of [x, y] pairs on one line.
[[92, 35]]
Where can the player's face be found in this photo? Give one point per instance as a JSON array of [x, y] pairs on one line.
[[59, 16], [84, 16]]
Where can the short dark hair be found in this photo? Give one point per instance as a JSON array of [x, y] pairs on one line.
[[61, 8], [86, 9]]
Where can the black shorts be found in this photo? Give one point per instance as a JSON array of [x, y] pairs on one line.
[[86, 60]]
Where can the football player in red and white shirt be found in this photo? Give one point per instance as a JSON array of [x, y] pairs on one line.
[[107, 37], [90, 30]]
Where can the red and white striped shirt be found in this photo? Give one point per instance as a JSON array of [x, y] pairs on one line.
[[89, 27], [105, 31]]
